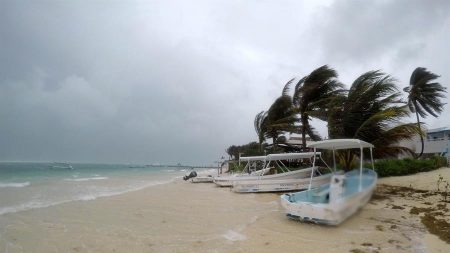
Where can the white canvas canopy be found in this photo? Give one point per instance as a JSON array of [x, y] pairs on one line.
[[252, 158], [336, 144], [290, 156]]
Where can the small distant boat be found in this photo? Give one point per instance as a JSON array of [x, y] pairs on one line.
[[334, 202], [66, 166], [205, 179]]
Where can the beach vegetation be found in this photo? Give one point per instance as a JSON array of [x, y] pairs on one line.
[[260, 124], [371, 110], [312, 94], [407, 166], [424, 96], [439, 181], [249, 149], [235, 167], [280, 119]]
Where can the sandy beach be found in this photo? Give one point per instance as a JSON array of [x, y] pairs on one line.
[[186, 217]]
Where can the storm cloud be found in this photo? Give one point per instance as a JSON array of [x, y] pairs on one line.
[[178, 81]]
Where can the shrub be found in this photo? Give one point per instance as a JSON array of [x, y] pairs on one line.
[[407, 166], [234, 167]]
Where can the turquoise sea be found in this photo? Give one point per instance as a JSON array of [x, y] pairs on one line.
[[25, 186]]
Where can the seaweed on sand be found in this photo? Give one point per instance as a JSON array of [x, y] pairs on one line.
[[439, 227]]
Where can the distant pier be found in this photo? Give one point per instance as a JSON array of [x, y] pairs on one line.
[[177, 166]]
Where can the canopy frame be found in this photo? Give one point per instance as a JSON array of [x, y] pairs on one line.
[[337, 144]]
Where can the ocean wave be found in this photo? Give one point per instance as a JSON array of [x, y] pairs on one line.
[[34, 204], [85, 179], [14, 185]]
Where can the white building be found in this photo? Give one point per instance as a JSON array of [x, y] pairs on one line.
[[436, 141]]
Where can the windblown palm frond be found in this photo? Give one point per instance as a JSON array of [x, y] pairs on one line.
[[371, 111], [312, 95], [424, 96], [287, 87], [391, 138], [260, 126], [280, 118]]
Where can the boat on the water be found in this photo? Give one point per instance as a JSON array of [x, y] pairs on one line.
[[272, 161], [334, 202], [57, 165]]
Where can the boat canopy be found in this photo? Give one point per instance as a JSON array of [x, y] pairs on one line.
[[290, 156], [336, 144], [252, 158]]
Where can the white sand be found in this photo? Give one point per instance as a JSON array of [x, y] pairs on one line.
[[186, 217]]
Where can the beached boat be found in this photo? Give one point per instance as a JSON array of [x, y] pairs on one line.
[[271, 161], [205, 179], [250, 169], [334, 202], [280, 185], [251, 166]]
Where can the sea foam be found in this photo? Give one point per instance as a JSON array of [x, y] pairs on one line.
[[84, 197], [85, 179], [14, 185]]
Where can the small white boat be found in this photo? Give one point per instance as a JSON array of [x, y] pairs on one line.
[[279, 185], [272, 159], [250, 169], [334, 202], [57, 165], [205, 179]]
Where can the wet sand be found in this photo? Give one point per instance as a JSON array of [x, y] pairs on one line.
[[186, 217]]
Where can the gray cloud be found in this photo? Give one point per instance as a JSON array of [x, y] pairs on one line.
[[172, 81], [359, 30]]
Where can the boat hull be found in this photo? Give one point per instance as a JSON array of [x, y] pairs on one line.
[[202, 180], [279, 185], [331, 213], [228, 181]]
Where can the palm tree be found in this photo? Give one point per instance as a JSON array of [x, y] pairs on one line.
[[260, 124], [424, 96], [371, 110], [312, 94], [280, 118]]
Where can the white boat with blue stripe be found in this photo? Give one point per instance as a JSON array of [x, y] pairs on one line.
[[333, 203]]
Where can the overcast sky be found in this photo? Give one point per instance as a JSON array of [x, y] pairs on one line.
[[180, 81]]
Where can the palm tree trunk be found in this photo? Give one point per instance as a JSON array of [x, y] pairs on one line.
[[421, 137], [304, 123], [274, 139]]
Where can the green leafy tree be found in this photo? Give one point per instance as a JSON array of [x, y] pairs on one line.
[[371, 110], [424, 96]]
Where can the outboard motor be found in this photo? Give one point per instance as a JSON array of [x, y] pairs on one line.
[[337, 187], [191, 175]]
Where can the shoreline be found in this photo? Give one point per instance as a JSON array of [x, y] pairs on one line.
[[183, 217]]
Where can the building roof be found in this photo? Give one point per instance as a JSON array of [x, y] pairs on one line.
[[440, 129]]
